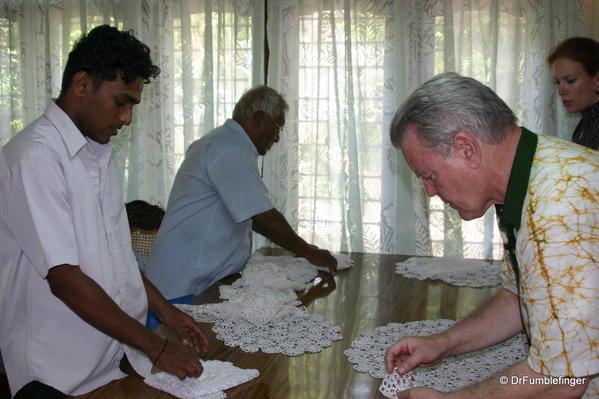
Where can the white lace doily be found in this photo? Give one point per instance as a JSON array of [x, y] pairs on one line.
[[344, 261], [253, 309], [367, 353], [260, 310], [279, 272], [216, 377], [292, 334], [461, 272]]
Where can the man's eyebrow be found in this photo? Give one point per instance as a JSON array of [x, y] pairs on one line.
[[130, 98]]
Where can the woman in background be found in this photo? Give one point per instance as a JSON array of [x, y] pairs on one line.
[[575, 63]]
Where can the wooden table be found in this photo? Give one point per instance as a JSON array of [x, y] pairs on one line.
[[361, 298]]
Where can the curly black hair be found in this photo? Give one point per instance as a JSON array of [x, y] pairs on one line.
[[103, 52], [143, 215]]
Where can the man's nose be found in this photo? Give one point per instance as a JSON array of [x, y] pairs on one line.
[[429, 188], [126, 116]]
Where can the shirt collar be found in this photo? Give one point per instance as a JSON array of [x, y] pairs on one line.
[[73, 138], [510, 213], [237, 128], [592, 111]]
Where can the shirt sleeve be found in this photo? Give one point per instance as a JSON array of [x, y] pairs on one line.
[[236, 179], [560, 279], [39, 215]]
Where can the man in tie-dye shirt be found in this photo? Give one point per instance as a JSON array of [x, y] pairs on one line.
[[464, 142]]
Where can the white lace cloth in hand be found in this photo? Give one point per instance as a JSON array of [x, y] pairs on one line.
[[367, 353], [344, 261], [461, 272], [394, 383], [216, 377], [278, 272]]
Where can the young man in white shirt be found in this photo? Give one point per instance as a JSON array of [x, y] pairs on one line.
[[72, 299]]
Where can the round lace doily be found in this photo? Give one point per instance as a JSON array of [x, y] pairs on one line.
[[292, 334], [367, 353], [216, 377], [460, 272]]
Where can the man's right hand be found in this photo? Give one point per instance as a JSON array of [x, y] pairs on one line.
[[321, 257], [88, 300], [178, 360], [411, 352]]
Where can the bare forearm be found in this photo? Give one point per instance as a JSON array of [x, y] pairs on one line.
[[88, 300], [273, 225], [156, 301], [521, 382], [493, 322]]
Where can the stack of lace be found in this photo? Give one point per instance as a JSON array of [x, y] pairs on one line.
[[215, 379], [260, 310]]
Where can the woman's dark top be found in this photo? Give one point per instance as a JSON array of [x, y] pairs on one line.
[[587, 131]]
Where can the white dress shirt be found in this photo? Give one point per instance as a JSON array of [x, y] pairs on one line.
[[60, 203]]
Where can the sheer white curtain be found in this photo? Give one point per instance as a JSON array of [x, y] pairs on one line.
[[209, 53], [346, 65]]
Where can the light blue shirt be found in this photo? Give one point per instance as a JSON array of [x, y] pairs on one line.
[[206, 232]]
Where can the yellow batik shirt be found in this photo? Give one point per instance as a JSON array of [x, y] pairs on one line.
[[552, 212]]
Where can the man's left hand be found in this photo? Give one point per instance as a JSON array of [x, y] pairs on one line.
[[187, 329]]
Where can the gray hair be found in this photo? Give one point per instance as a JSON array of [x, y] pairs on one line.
[[448, 104], [260, 98]]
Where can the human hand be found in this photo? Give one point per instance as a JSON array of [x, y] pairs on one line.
[[321, 257], [178, 360], [411, 352], [187, 329], [420, 393]]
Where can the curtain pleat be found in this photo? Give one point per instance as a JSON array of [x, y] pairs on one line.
[[204, 50], [344, 67]]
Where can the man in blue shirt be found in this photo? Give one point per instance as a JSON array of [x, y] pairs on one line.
[[218, 197]]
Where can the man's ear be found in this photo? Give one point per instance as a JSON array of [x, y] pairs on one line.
[[258, 120], [468, 148], [81, 84]]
